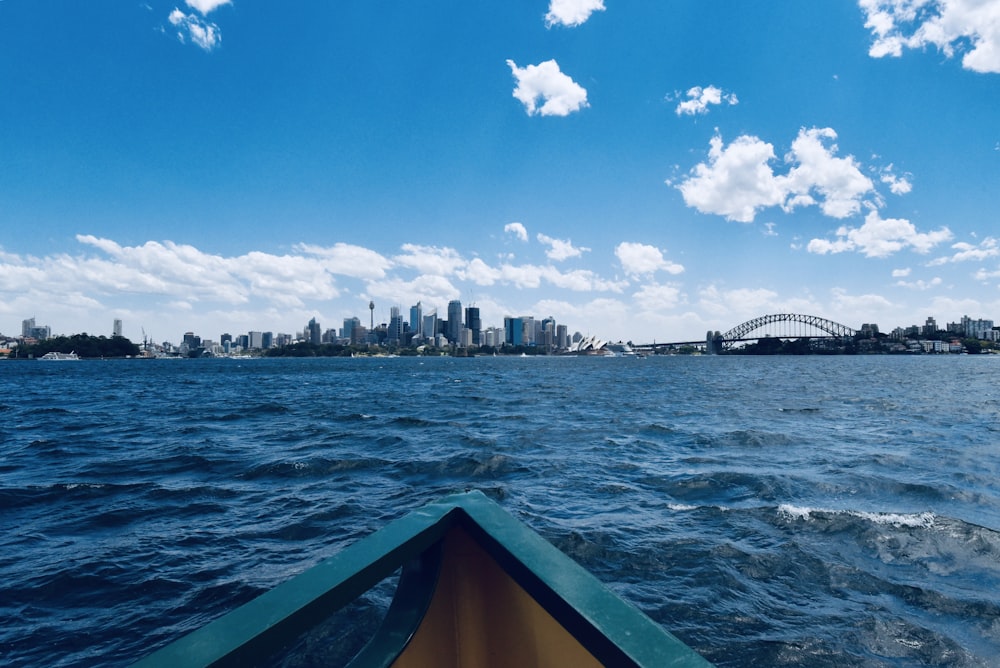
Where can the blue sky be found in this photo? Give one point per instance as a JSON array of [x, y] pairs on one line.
[[638, 170]]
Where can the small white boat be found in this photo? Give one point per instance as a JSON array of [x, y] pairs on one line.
[[59, 357]]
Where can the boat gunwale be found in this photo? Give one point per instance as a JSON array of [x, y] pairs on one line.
[[612, 629]]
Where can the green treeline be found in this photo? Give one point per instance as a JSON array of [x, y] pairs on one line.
[[83, 345]]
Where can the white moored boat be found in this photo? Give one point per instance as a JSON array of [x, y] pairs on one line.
[[60, 357]]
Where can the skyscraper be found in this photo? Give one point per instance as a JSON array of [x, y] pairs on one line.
[[473, 322], [416, 319], [395, 333], [116, 329], [454, 320]]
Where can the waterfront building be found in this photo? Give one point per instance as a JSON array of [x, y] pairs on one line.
[[29, 330], [430, 326], [116, 328], [266, 340], [454, 320], [394, 334], [416, 320], [349, 325], [255, 341], [314, 333], [475, 325], [465, 338], [977, 329], [562, 337]]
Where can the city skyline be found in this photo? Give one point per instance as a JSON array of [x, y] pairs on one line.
[[641, 172]]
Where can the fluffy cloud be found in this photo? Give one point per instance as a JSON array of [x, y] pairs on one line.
[[838, 181], [517, 229], [698, 100], [965, 252], [199, 31], [658, 298], [206, 6], [920, 284], [560, 249], [738, 180], [349, 260], [571, 12], [430, 259], [968, 26], [880, 238], [562, 96], [898, 185], [644, 260]]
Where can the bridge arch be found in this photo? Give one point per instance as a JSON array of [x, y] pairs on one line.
[[790, 322]]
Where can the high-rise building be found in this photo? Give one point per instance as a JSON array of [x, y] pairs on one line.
[[430, 326], [267, 340], [395, 332], [349, 325], [315, 333], [454, 320], [116, 329], [255, 340], [562, 337], [416, 319], [474, 324]]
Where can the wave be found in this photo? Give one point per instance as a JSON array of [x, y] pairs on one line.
[[923, 520]]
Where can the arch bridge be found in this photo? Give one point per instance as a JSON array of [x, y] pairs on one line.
[[781, 326]]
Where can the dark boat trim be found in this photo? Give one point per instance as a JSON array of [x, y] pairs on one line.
[[615, 632]]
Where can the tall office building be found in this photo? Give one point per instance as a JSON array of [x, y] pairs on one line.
[[116, 329], [474, 324], [255, 340], [416, 319], [454, 320], [314, 332], [395, 333], [349, 325], [430, 326]]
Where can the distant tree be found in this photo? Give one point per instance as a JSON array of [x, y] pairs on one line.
[[972, 346], [84, 345]]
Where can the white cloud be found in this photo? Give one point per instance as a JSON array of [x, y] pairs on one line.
[[898, 185], [699, 98], [430, 259], [738, 179], [349, 260], [644, 260], [984, 275], [920, 284], [901, 273], [206, 6], [968, 26], [560, 249], [190, 27], [658, 298], [880, 238], [571, 13], [480, 273], [562, 96], [965, 252], [517, 229], [838, 181]]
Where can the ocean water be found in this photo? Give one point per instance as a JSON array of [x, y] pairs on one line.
[[820, 511]]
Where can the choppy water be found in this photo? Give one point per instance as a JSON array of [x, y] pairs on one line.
[[772, 511]]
